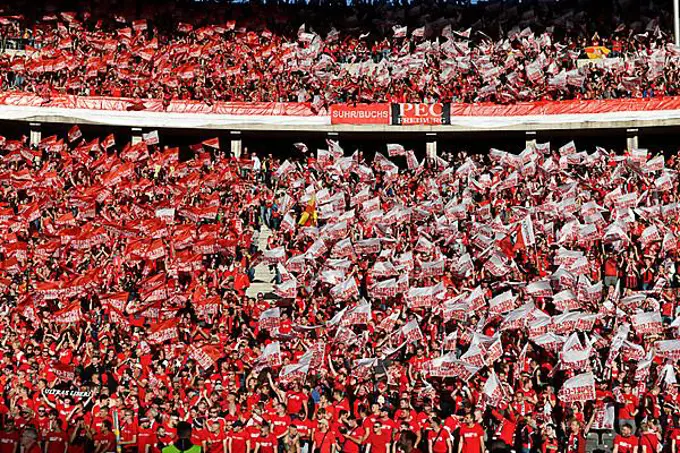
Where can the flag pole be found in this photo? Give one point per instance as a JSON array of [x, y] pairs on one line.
[[116, 431]]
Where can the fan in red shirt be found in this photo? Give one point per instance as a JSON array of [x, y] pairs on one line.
[[146, 437], [9, 438], [56, 440], [237, 439], [438, 438], [379, 439], [215, 440], [105, 440], [576, 442], [628, 409], [353, 437], [279, 422], [267, 441], [649, 439], [625, 442], [471, 436]]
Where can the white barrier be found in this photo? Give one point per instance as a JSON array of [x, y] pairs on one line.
[[146, 119]]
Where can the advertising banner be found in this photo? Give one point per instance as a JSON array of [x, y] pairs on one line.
[[360, 114]]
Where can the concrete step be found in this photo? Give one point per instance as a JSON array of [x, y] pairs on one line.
[[263, 275]]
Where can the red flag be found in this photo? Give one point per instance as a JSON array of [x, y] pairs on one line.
[[212, 143], [206, 356], [68, 315], [108, 142], [74, 134], [163, 331]]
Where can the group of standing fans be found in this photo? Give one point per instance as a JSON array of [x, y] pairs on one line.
[[423, 52], [455, 304]]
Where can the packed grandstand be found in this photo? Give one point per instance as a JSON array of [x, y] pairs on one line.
[[530, 294], [417, 53], [515, 300]]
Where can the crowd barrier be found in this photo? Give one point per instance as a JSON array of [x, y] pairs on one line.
[[379, 116]]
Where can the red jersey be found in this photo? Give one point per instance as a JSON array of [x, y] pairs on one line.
[[549, 446], [295, 401], [439, 440], [471, 438], [349, 446], [57, 442], [279, 424], [650, 442], [238, 441], [304, 427], [145, 437], [214, 442], [378, 442], [630, 404], [626, 444], [8, 441], [267, 444], [108, 439]]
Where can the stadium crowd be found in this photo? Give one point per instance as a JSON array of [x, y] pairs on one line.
[[461, 303], [388, 55]]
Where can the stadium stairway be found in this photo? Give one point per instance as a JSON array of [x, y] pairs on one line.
[[263, 274]]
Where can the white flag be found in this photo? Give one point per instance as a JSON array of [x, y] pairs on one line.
[[578, 388]]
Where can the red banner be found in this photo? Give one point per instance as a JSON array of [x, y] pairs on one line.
[[360, 114]]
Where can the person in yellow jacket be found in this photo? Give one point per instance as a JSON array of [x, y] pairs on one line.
[[309, 216], [183, 443]]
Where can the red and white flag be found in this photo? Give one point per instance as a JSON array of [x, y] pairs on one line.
[[669, 349], [212, 143], [163, 331], [520, 365], [425, 297], [69, 314], [389, 322], [494, 352], [364, 368], [273, 256], [527, 236], [517, 318], [108, 142], [116, 300], [502, 303], [647, 323], [494, 393], [617, 342], [151, 138], [643, 368], [541, 288], [569, 148], [411, 331], [576, 359], [74, 134], [399, 32], [294, 373], [649, 235], [206, 356], [476, 300], [395, 150], [270, 357], [345, 289], [566, 301], [578, 388], [270, 319], [361, 314], [65, 373], [287, 289], [451, 341]]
